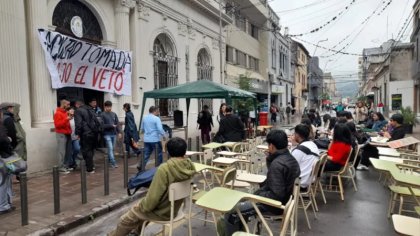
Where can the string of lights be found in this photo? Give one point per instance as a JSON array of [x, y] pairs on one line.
[[334, 18]]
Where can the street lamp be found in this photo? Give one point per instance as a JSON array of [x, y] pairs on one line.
[[316, 47]]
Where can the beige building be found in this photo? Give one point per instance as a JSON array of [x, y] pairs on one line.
[[300, 60], [329, 85], [172, 42]]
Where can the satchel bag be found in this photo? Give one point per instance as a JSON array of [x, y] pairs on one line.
[[15, 164]]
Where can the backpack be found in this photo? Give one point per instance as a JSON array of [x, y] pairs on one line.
[[200, 118], [141, 179], [305, 150], [288, 110], [95, 123]]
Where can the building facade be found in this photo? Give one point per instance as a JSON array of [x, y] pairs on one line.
[[415, 62], [172, 42], [315, 83], [300, 62]]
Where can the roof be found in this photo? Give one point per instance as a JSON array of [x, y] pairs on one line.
[[302, 47], [199, 89]]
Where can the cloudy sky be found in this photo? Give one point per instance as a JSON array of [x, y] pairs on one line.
[[352, 27]]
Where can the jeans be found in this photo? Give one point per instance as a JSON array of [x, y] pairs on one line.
[[63, 144], [148, 149], [5, 191], [75, 152], [110, 142]]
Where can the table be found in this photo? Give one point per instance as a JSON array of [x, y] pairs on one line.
[[262, 147], [201, 168], [383, 165], [192, 153], [224, 200], [251, 178], [212, 145], [388, 152], [229, 145], [378, 141], [392, 159], [227, 153], [224, 161]]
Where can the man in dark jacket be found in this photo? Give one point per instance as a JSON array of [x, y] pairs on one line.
[[110, 131], [283, 169], [231, 127], [9, 122], [87, 128], [131, 134], [205, 122]]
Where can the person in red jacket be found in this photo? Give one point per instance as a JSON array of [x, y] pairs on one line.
[[339, 149], [63, 134]]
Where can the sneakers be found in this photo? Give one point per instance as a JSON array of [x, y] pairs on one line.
[[91, 172], [362, 167], [12, 208], [64, 170], [114, 166]]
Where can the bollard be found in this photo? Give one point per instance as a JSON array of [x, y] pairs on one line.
[[106, 176], [189, 143], [143, 165], [125, 169], [156, 155], [56, 189], [83, 181], [23, 198], [197, 143]]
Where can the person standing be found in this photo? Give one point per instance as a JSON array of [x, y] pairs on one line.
[[273, 111], [205, 122], [20, 148], [222, 112], [63, 134], [131, 135], [361, 112], [110, 131], [6, 150], [7, 109], [289, 110], [87, 128], [231, 128], [153, 131], [339, 108], [75, 141], [281, 113]]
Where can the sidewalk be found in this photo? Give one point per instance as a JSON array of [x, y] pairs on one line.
[[73, 212]]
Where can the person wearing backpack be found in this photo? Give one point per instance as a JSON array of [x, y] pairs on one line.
[[6, 150], [289, 110], [88, 128], [110, 131], [205, 122], [306, 153]]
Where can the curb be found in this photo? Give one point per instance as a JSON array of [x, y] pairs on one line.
[[70, 223]]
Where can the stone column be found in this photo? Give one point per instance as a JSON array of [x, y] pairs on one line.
[[122, 36], [42, 96]]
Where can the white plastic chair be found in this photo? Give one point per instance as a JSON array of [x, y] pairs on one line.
[[177, 192]]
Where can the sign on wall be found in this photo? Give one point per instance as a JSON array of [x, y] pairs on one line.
[[396, 101], [278, 89], [75, 63]]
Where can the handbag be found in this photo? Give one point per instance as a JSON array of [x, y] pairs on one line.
[[135, 144], [15, 164]]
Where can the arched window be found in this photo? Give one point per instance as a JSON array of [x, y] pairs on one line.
[[204, 72], [165, 71]]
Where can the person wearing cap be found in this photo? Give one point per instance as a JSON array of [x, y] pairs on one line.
[[398, 132], [9, 121]]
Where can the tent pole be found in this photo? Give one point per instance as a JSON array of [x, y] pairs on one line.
[[188, 113]]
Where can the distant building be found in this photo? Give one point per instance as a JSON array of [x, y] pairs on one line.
[[300, 62], [415, 37], [315, 82]]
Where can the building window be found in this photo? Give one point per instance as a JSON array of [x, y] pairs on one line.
[[240, 58], [253, 63], [273, 54], [229, 54], [240, 22], [204, 72], [253, 31], [165, 64]]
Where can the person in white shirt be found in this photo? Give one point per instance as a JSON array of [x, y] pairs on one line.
[[306, 153]]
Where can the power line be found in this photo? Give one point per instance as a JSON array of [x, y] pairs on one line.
[[303, 7]]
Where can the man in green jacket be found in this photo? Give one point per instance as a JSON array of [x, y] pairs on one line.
[[155, 205]]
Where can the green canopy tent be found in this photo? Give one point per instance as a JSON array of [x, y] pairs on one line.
[[198, 89]]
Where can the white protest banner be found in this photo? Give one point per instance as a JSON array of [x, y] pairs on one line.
[[75, 63]]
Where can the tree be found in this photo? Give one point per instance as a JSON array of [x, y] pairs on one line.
[[244, 106]]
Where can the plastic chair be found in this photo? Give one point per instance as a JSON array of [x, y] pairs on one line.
[[339, 174], [309, 194], [177, 192], [406, 225], [351, 173], [317, 182]]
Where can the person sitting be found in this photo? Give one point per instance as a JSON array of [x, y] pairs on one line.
[[283, 169], [369, 121], [339, 149], [326, 121], [312, 133], [156, 204], [379, 121], [231, 128], [398, 132], [306, 153]]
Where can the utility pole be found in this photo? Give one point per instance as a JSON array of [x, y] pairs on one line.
[[220, 43]]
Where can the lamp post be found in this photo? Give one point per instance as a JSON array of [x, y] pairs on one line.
[[317, 44]]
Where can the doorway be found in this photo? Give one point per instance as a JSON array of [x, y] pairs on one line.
[[74, 94]]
